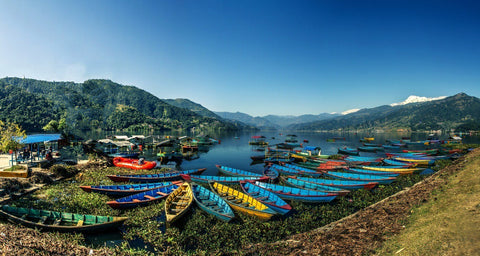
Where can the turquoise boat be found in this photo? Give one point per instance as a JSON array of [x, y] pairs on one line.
[[348, 151], [221, 179], [296, 194], [342, 184], [361, 177], [293, 181], [212, 203], [371, 172], [268, 198], [236, 172], [149, 178], [124, 190]]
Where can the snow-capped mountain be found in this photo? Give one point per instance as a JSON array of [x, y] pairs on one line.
[[416, 99], [350, 111]]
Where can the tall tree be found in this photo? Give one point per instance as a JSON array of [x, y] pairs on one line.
[[9, 136]]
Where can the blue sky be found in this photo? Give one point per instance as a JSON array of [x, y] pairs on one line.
[[257, 57]]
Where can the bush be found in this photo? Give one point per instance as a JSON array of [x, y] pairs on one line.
[[61, 170]]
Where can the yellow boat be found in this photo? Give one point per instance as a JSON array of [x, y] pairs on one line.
[[419, 162], [369, 138], [394, 170], [242, 202], [178, 202]]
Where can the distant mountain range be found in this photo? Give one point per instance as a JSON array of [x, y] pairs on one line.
[[415, 113], [460, 111], [104, 104]]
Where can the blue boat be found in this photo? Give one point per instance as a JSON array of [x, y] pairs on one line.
[[363, 159], [397, 163], [221, 179], [149, 178], [370, 149], [371, 172], [293, 181], [296, 194], [291, 171], [268, 198], [124, 190], [361, 177], [348, 151], [212, 203], [236, 172], [342, 184], [142, 199], [271, 173], [392, 147]]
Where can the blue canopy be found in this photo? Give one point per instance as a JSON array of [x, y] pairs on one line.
[[310, 148], [37, 138]]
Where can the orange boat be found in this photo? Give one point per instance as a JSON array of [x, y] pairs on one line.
[[133, 163]]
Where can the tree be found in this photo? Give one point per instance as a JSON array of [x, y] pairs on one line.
[[9, 136]]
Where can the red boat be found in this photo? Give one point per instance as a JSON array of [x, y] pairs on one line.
[[133, 163]]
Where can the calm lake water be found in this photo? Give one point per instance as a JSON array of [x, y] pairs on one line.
[[234, 150]]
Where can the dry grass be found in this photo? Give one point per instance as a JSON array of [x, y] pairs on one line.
[[449, 224]]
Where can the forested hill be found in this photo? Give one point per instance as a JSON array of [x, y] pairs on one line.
[[460, 112], [192, 106], [97, 103]]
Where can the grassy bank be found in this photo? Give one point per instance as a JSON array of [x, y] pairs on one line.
[[448, 224]]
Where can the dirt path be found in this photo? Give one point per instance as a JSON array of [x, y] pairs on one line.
[[364, 231]]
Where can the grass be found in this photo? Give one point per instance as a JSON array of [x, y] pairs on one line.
[[448, 224]]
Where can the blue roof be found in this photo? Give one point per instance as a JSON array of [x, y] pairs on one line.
[[37, 138], [310, 148]]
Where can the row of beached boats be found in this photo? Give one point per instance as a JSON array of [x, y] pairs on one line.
[[313, 181]]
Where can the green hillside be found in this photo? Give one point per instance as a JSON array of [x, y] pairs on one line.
[[460, 112], [98, 103]]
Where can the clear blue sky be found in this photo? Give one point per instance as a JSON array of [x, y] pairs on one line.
[[258, 57]]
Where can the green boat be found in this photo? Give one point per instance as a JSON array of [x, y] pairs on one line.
[[60, 221]]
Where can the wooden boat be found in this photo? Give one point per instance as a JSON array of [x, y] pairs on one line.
[[361, 177], [392, 147], [212, 203], [178, 202], [397, 163], [258, 158], [242, 202], [296, 194], [236, 172], [371, 145], [291, 171], [348, 151], [268, 198], [149, 178], [271, 173], [293, 181], [342, 184], [60, 221], [258, 140], [124, 190], [418, 161], [425, 151], [288, 145], [144, 198], [133, 163], [221, 179], [370, 149], [394, 169], [370, 172]]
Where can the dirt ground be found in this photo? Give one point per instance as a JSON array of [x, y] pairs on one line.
[[364, 231], [358, 234]]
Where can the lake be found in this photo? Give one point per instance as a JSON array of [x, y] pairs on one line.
[[235, 151]]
